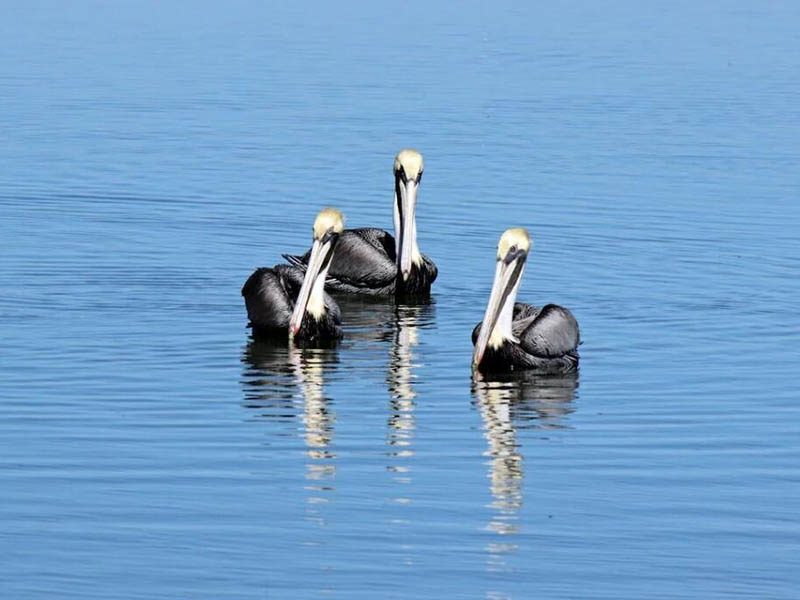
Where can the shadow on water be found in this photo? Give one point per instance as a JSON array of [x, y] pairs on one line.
[[507, 404]]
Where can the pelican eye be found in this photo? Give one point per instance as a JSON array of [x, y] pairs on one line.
[[329, 235], [512, 254]]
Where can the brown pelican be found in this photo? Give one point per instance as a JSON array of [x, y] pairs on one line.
[[514, 335], [285, 299], [370, 261]]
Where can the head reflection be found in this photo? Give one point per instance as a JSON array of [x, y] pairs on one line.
[[283, 383], [507, 404]]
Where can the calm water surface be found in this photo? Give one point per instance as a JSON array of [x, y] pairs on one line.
[[153, 154]]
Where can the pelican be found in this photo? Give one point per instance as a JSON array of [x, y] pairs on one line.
[[370, 261], [514, 335], [285, 299]]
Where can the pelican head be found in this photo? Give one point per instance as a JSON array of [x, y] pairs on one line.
[[408, 167], [512, 251], [311, 299]]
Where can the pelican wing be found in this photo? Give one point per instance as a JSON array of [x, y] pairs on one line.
[[267, 300], [552, 332], [270, 294], [524, 315], [364, 258], [292, 278]]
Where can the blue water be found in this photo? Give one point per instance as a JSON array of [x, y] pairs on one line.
[[153, 154]]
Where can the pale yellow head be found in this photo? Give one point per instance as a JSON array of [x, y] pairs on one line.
[[410, 162], [498, 322], [311, 297], [514, 239], [328, 220]]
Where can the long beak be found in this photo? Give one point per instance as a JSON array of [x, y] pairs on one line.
[[506, 275], [317, 265], [408, 225]]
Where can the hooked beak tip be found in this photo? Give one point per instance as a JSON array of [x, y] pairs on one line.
[[406, 274]]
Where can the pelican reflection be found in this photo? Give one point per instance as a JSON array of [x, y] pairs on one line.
[[288, 383], [370, 322], [308, 367], [401, 378], [507, 404], [268, 381]]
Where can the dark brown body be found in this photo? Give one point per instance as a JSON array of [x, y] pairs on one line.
[[548, 342], [269, 296]]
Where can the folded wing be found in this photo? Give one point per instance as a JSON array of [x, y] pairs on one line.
[[552, 332], [364, 259]]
